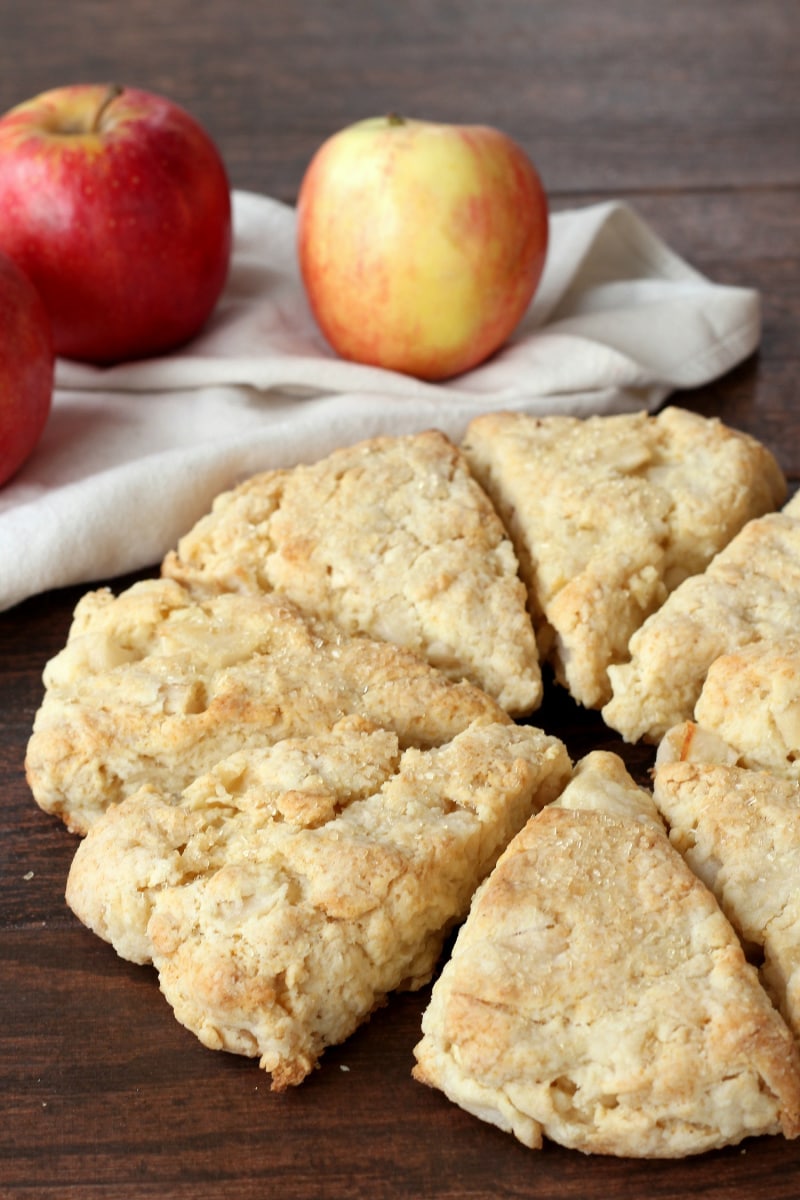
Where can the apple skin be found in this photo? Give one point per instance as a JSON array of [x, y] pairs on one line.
[[27, 365], [116, 203], [420, 244]]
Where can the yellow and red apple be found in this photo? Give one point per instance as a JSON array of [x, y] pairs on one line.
[[26, 368], [420, 244], [116, 203]]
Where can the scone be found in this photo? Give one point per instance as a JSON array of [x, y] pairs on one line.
[[749, 593], [292, 888], [747, 715], [739, 831], [609, 514], [690, 742], [751, 700], [597, 996], [600, 782], [154, 687], [391, 537]]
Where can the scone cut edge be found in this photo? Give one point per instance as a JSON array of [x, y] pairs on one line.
[[391, 537], [609, 514], [598, 997], [290, 890], [156, 685]]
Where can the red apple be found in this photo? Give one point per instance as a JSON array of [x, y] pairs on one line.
[[26, 367], [117, 205], [420, 244]]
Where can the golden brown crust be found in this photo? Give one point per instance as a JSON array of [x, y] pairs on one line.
[[286, 813], [749, 593], [739, 831], [391, 537], [277, 926], [154, 687], [596, 995], [609, 514], [751, 700]]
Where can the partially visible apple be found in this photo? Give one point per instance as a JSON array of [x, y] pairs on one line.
[[26, 368], [117, 205], [420, 244]]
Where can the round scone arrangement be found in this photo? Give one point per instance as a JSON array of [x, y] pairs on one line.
[[308, 751]]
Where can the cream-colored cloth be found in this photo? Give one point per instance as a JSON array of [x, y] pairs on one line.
[[132, 455]]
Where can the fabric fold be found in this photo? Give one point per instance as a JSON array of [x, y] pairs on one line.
[[133, 454]]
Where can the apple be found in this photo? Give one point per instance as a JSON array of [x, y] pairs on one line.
[[116, 203], [420, 244], [26, 367]]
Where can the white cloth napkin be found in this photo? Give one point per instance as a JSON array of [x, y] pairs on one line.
[[132, 455]]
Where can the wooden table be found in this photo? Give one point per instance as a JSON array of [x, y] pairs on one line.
[[692, 113]]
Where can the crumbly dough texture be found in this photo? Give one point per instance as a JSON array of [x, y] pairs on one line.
[[390, 537], [597, 996], [292, 888], [608, 514], [739, 831], [749, 593], [690, 742], [155, 687], [751, 700], [294, 764]]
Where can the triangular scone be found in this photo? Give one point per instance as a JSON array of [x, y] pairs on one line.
[[750, 592], [739, 831], [690, 742], [597, 996], [390, 537], [291, 889], [752, 701], [600, 783], [609, 514], [155, 687], [747, 715]]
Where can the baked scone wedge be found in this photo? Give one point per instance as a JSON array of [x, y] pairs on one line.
[[739, 831], [608, 514], [751, 701], [690, 742], [597, 996], [600, 782], [749, 593], [290, 889], [155, 687], [391, 537]]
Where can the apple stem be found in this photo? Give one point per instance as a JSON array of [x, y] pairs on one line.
[[395, 119], [112, 91]]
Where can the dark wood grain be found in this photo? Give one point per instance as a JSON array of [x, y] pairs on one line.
[[624, 96], [689, 112]]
